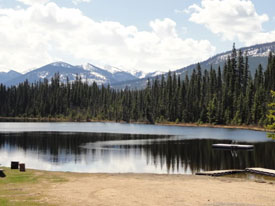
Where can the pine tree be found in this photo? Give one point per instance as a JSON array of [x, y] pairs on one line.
[[271, 116], [271, 113], [212, 110]]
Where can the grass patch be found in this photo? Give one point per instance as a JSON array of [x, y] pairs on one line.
[[3, 202], [24, 188], [6, 202], [15, 176]]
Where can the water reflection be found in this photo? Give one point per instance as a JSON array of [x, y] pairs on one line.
[[118, 128], [103, 152]]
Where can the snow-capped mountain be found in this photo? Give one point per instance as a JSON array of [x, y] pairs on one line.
[[141, 74], [257, 54], [259, 50], [87, 72], [6, 76], [110, 74]]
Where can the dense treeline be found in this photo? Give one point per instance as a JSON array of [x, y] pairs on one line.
[[271, 116], [228, 95]]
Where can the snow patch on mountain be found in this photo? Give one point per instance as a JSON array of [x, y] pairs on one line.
[[98, 75], [88, 67], [138, 74], [43, 74], [61, 64], [112, 69], [154, 74], [261, 50]]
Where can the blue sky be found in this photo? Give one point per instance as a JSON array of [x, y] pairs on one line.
[[133, 35]]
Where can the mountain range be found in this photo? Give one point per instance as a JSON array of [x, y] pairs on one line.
[[257, 54], [118, 78], [88, 72]]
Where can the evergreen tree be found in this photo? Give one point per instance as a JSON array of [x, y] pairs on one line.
[[271, 116], [271, 113], [227, 95]]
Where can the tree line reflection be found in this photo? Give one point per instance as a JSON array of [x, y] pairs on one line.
[[167, 152]]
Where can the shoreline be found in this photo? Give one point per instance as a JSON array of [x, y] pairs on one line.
[[36, 187], [44, 119], [245, 127]]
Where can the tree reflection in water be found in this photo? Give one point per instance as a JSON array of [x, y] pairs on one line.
[[167, 152]]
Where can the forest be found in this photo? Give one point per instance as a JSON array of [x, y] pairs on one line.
[[230, 95]]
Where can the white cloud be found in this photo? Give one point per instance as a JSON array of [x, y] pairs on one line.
[[232, 19], [165, 28], [80, 1], [184, 11], [43, 33], [32, 2]]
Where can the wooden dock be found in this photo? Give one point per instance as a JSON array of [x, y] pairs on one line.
[[261, 171], [232, 146], [220, 172]]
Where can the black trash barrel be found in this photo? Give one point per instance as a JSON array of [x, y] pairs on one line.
[[14, 165], [22, 167]]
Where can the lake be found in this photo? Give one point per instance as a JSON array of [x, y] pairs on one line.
[[130, 148]]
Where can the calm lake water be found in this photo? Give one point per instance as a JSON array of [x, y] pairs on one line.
[[126, 148]]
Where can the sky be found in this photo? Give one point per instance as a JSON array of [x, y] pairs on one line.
[[155, 35]]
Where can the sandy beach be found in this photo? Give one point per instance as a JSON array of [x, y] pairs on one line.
[[62, 188], [131, 189]]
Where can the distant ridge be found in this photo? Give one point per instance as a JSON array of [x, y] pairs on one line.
[[257, 54], [87, 72], [6, 76], [119, 78]]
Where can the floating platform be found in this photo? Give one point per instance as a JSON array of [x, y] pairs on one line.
[[233, 146], [220, 172], [261, 171]]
